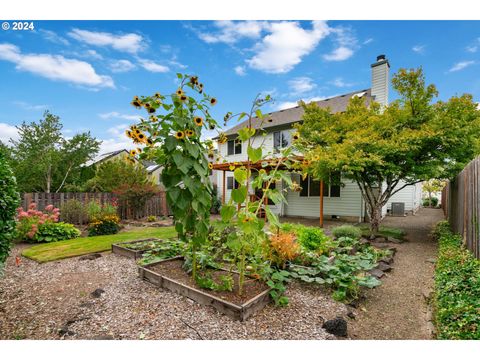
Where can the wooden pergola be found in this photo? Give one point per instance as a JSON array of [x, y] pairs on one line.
[[267, 165]]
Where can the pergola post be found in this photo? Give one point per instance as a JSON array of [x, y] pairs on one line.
[[321, 203], [223, 188]]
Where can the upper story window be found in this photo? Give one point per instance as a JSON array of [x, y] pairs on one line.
[[234, 147], [281, 139]]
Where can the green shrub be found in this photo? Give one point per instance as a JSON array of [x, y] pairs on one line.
[[457, 288], [313, 239], [73, 212], [349, 231], [151, 218], [95, 210], [55, 231], [105, 225], [426, 202], [9, 200]]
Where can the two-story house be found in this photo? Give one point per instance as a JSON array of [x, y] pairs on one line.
[[338, 201]]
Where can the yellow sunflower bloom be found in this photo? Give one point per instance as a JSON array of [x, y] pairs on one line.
[[179, 135], [133, 152], [137, 103], [139, 150], [296, 136], [179, 92], [210, 166], [198, 121], [128, 133], [183, 98], [189, 133], [149, 142], [151, 110], [213, 101], [157, 95]]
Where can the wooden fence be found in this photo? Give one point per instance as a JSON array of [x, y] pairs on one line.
[[460, 202], [156, 206]]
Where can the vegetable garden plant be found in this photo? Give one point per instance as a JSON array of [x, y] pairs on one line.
[[171, 135]]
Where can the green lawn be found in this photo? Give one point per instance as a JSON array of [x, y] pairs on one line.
[[387, 231], [87, 245]]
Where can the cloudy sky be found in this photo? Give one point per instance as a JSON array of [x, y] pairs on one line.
[[87, 71]]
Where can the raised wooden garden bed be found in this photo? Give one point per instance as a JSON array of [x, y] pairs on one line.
[[169, 274], [136, 252]]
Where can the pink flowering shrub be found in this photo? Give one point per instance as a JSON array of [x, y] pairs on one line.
[[33, 224]]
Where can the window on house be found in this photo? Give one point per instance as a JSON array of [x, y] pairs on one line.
[[231, 183], [234, 147], [311, 187], [259, 193], [281, 139]]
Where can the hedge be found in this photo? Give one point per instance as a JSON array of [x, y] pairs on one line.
[[457, 288]]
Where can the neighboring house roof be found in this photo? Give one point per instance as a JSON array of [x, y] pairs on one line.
[[105, 156], [293, 115]]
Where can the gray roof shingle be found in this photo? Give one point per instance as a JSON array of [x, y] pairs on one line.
[[293, 115]]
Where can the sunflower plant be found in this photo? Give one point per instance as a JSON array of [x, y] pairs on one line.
[[258, 172], [171, 135]]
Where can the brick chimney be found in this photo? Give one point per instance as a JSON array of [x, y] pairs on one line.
[[380, 80]]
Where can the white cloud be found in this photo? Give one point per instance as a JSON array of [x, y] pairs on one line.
[[461, 65], [151, 66], [420, 49], [339, 82], [52, 36], [240, 70], [114, 144], [55, 67], [285, 45], [230, 32], [117, 130], [346, 42], [301, 85], [339, 54], [131, 43], [472, 49], [8, 132], [27, 106], [368, 41], [117, 115], [93, 54], [119, 66]]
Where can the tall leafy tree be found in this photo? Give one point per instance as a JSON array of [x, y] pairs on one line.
[[384, 150], [44, 160], [112, 174]]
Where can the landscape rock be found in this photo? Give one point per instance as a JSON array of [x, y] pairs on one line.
[[383, 266], [103, 337], [91, 257], [376, 273], [393, 240], [65, 331], [337, 326], [387, 260], [97, 293]]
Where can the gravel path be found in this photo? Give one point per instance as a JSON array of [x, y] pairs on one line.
[[398, 309], [54, 301]]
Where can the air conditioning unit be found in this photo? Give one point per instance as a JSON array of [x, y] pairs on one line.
[[398, 209]]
